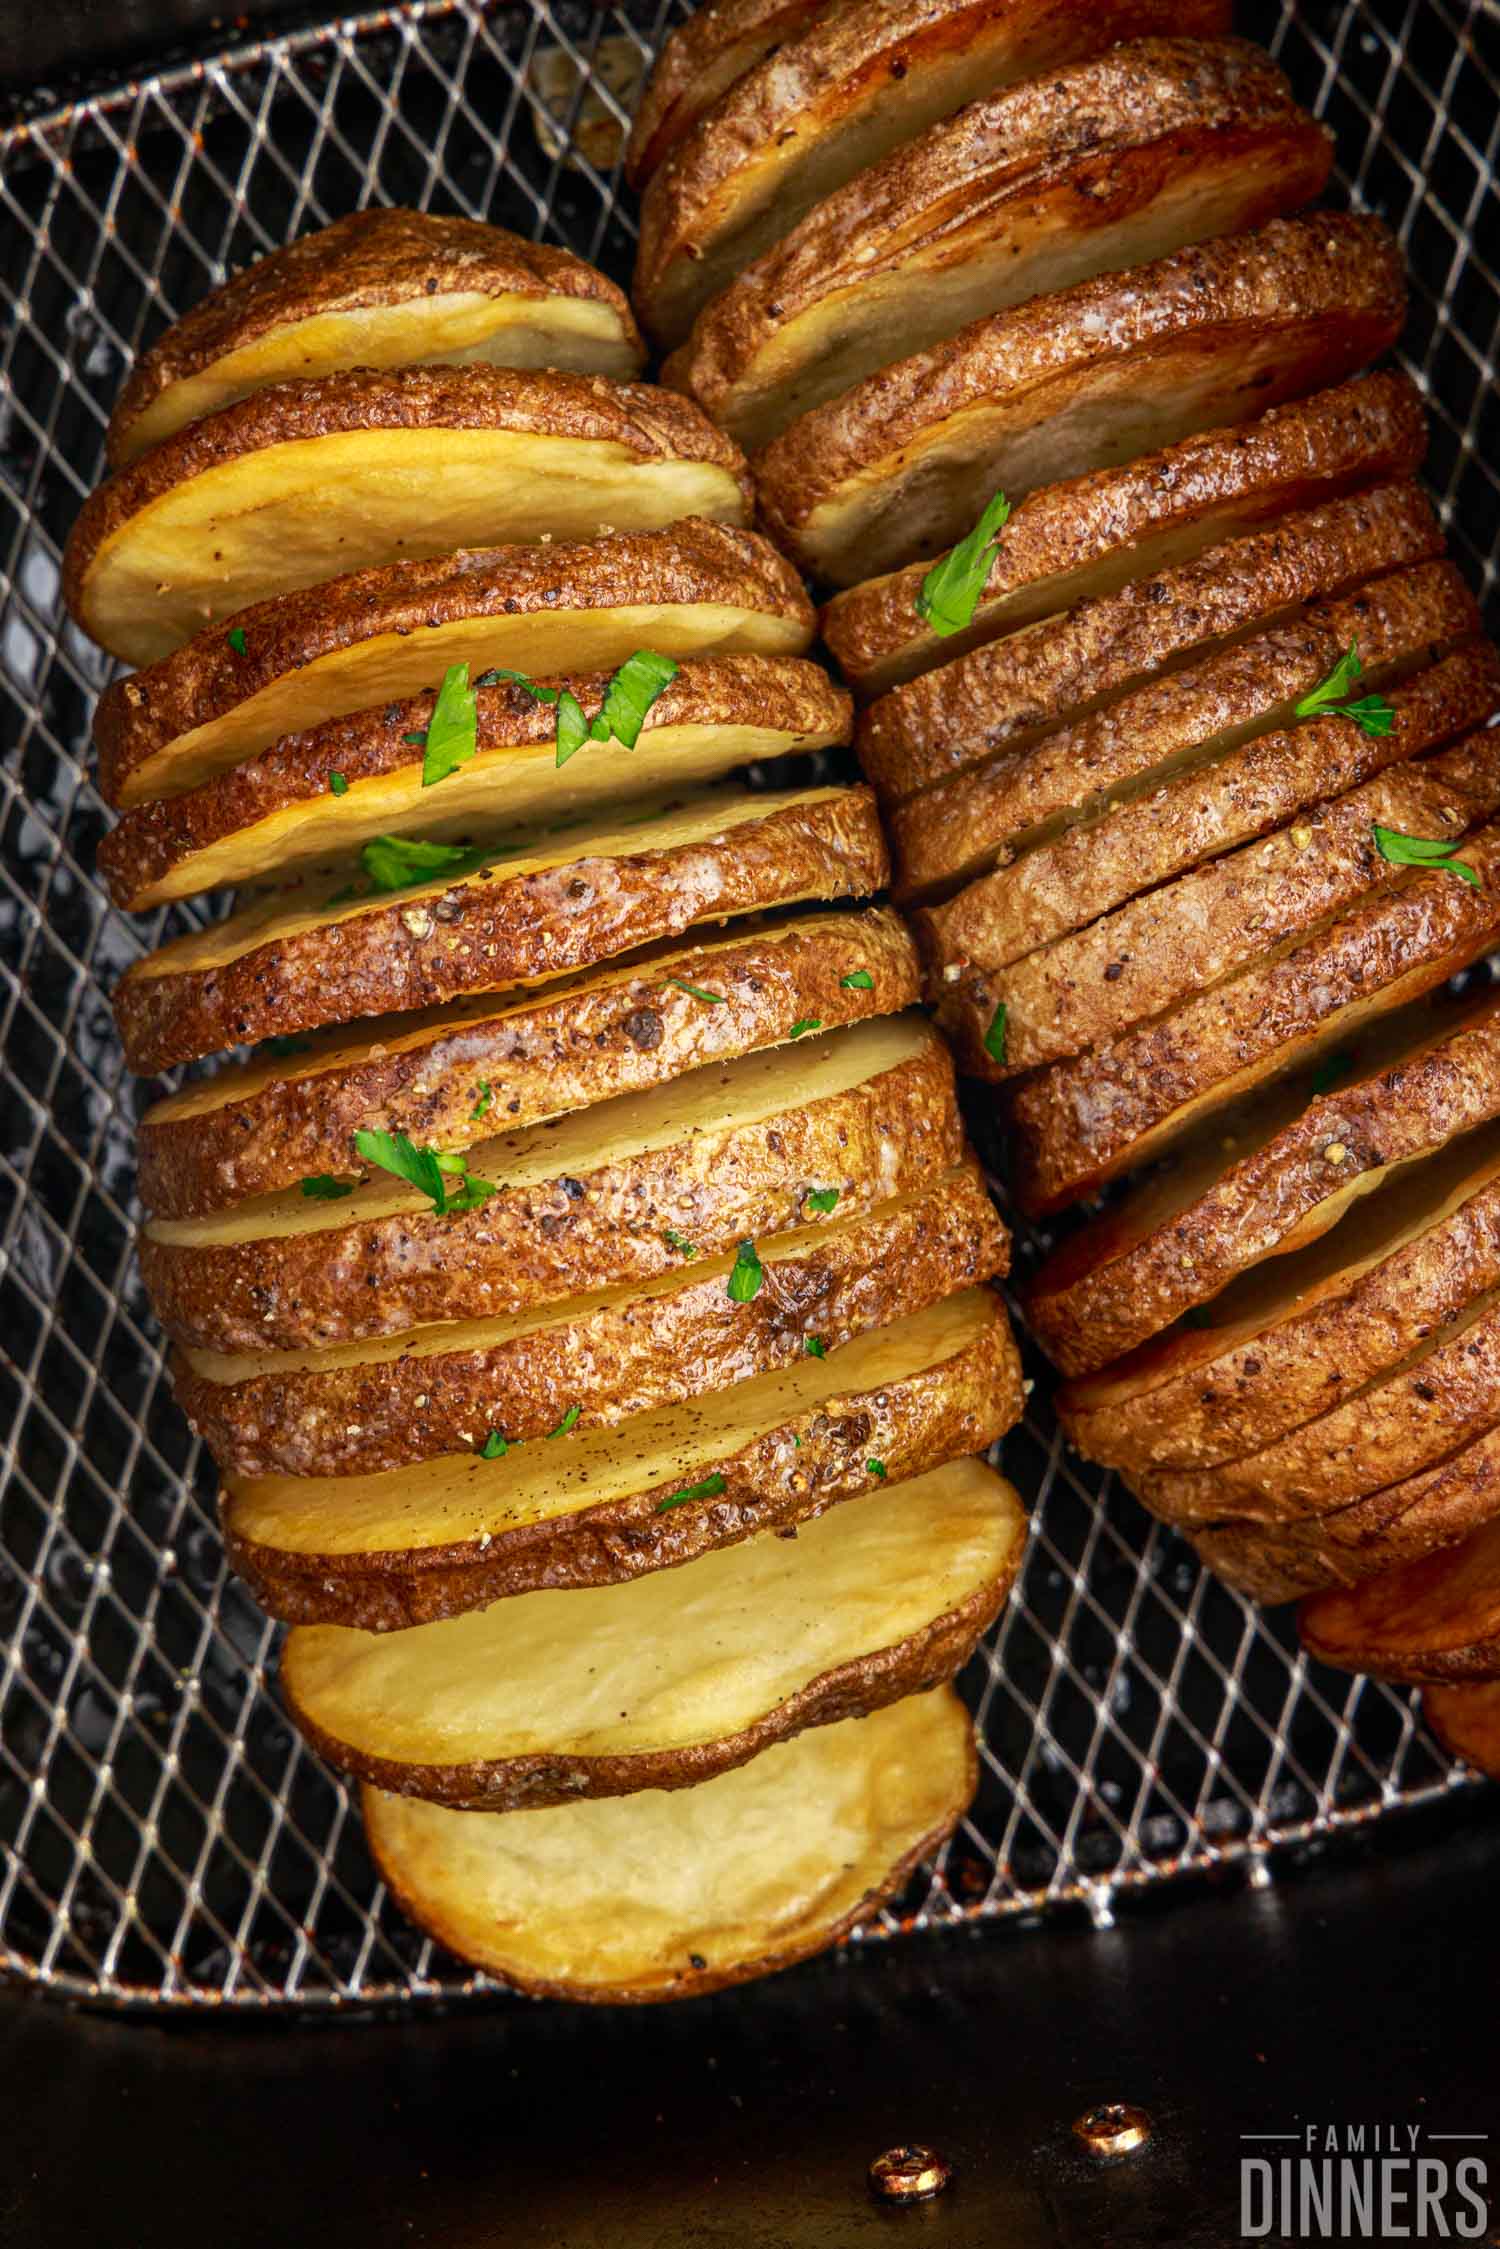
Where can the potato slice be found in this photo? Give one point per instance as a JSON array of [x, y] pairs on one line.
[[275, 817], [700, 60], [1296, 1336], [1105, 164], [1093, 375], [860, 80], [668, 1681], [1466, 1720], [1289, 1174], [605, 1195], [948, 725], [377, 289], [1172, 770], [1350, 1545], [1093, 535], [661, 1896], [1430, 1620], [308, 479], [378, 636], [414, 1544], [302, 959], [449, 1077], [598, 1358]]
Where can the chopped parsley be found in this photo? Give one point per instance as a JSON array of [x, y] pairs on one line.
[[570, 1420], [1372, 714], [495, 1447], [804, 1024], [952, 587], [746, 1275], [236, 639], [994, 1037], [1421, 851], [815, 1347], [452, 735], [400, 862], [858, 980], [324, 1188], [876, 1468], [338, 784], [425, 1169], [697, 992], [679, 1242], [619, 718], [821, 1199], [485, 1096], [710, 1488]]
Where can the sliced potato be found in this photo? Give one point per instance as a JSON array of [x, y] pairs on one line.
[[379, 636], [449, 1077], [305, 480], [1174, 769], [920, 743], [606, 1195], [1383, 1531], [1077, 381], [1295, 1336], [1107, 163], [700, 59], [1430, 1620], [859, 80], [1093, 535], [668, 1681], [377, 289], [414, 1544], [1466, 1721], [661, 1896], [1288, 1175], [597, 1358], [276, 816], [302, 959]]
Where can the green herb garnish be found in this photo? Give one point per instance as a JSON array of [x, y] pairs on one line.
[[483, 1090], [569, 1421], [619, 718], [1372, 714], [994, 1037], [338, 784], [815, 1347], [402, 862], [858, 980], [952, 587], [821, 1199], [696, 992], [236, 638], [710, 1488], [425, 1169], [804, 1024], [324, 1188], [495, 1447], [679, 1242], [452, 735], [876, 1468], [1421, 851], [747, 1274]]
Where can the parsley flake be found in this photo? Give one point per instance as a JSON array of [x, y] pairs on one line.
[[495, 1447], [821, 1199], [627, 699], [679, 1242], [858, 980], [804, 1024], [697, 992], [452, 735], [710, 1488], [236, 638], [1421, 851], [324, 1188], [952, 587], [484, 1091], [401, 862], [815, 1347], [746, 1275], [425, 1169], [338, 784], [1372, 714], [994, 1037], [877, 1468], [570, 1420]]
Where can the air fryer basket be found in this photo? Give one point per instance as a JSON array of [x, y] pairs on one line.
[[167, 1840]]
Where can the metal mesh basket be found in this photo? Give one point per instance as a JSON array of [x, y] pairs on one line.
[[167, 1840]]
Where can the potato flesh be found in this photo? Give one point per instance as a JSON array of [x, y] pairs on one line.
[[461, 1498], [617, 1898], [390, 666], [741, 1092], [287, 516], [675, 1659], [457, 328]]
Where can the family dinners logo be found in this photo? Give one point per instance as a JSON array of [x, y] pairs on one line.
[[1364, 2182]]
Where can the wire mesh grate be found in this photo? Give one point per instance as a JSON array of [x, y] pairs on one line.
[[167, 1840]]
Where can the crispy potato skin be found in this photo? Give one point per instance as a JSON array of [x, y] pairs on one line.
[[1430, 1620], [566, 1049], [424, 947], [533, 1246], [1127, 1276], [154, 839], [937, 1414], [1107, 522], [367, 258], [622, 1359], [700, 60], [139, 717], [1466, 1720]]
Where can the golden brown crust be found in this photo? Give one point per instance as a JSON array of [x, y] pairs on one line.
[[538, 1243], [1349, 1545], [699, 61], [1198, 338], [615, 1358], [1092, 534], [1102, 164], [1434, 1619], [588, 1040], [932, 733], [1466, 1720], [1130, 1274], [782, 1476], [148, 857], [375, 257], [495, 929], [143, 720], [859, 80]]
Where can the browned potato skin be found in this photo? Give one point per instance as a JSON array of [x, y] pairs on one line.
[[700, 60], [518, 1784], [1332, 287], [366, 258], [784, 693], [139, 717], [1436, 1619], [1466, 1720], [1295, 456], [572, 1046], [622, 1360], [938, 730], [533, 1246], [419, 949], [784, 1476], [1125, 1277], [652, 423]]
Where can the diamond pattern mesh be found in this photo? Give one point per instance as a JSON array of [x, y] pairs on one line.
[[166, 1839]]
